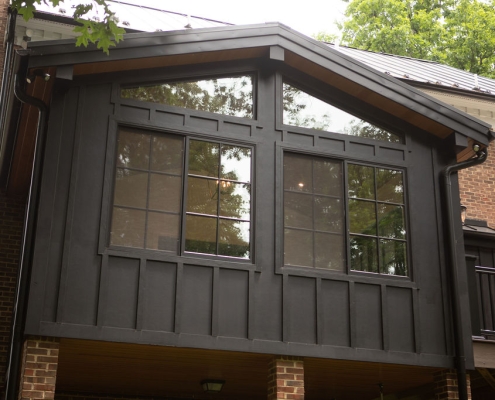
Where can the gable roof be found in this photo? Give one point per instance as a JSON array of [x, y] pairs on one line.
[[271, 40]]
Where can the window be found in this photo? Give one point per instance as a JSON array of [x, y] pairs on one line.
[[306, 111], [229, 95], [314, 222], [154, 172]]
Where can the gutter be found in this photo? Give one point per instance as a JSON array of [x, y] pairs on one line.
[[27, 246], [460, 356]]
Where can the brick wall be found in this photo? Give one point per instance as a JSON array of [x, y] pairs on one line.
[[477, 189], [286, 378], [446, 385], [11, 223], [39, 368]]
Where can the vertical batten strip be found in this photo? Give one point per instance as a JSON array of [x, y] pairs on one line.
[[141, 305], [103, 292], [179, 278], [215, 304], [385, 324], [352, 314]]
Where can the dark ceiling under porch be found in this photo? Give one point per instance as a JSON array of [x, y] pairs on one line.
[[139, 371]]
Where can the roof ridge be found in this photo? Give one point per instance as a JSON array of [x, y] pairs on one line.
[[170, 12]]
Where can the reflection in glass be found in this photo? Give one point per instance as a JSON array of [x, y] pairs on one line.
[[306, 111], [236, 163], [127, 227], [363, 254], [391, 221], [235, 200], [133, 149], [228, 96], [165, 192], [130, 188], [202, 196], [327, 177], [298, 210], [329, 214], [361, 181], [298, 248], [201, 234], [393, 257], [204, 158], [166, 154], [389, 185], [233, 238], [298, 175], [362, 217], [313, 202], [163, 232], [329, 251]]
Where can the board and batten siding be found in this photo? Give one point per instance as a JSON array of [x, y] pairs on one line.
[[81, 288]]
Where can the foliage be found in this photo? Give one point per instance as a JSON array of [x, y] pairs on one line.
[[460, 33], [104, 33]]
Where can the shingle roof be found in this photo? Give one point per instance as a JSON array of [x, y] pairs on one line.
[[422, 71]]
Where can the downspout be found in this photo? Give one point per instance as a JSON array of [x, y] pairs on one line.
[[460, 355], [27, 245]]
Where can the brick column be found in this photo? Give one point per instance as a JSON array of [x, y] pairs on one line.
[[11, 223], [39, 368], [286, 378], [446, 385]]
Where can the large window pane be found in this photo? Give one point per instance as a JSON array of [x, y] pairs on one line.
[[329, 252], [391, 221], [127, 227], [361, 181], [362, 217], [236, 163], [229, 96], [165, 192], [133, 149], [235, 200], [233, 240], [393, 258], [130, 188], [329, 214], [163, 232], [298, 210], [363, 254], [303, 110], [298, 173], [201, 234], [204, 158], [389, 185], [298, 248], [202, 196], [167, 154], [327, 177]]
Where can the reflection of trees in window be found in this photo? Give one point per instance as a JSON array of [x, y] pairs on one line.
[[218, 199], [313, 212], [306, 111], [148, 195], [228, 96], [377, 220]]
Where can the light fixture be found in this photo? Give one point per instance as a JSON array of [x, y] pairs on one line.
[[463, 213], [37, 72], [212, 385]]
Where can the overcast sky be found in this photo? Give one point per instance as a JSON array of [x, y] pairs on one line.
[[306, 16]]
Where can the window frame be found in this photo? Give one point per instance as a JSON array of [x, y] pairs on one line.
[[347, 274], [104, 245]]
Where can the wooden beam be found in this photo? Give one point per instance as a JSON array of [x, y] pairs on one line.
[[487, 376]]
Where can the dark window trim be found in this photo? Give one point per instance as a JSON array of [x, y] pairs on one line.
[[104, 246], [348, 274]]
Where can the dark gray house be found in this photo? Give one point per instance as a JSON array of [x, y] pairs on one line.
[[238, 206]]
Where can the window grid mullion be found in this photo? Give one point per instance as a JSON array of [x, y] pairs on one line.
[[145, 241]]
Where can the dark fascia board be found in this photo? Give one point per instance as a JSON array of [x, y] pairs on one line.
[[141, 45]]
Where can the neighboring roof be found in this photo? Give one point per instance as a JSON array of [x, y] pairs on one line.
[[137, 17], [478, 228], [422, 71]]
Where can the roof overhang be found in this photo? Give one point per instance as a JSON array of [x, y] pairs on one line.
[[254, 41]]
